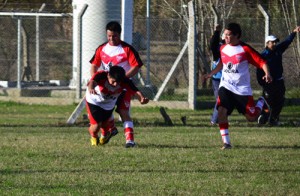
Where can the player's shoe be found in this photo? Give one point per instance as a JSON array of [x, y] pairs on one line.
[[95, 141], [274, 122], [105, 139], [226, 146], [264, 117], [129, 144]]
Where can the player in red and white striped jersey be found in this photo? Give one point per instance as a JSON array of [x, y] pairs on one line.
[[116, 52], [102, 93], [235, 89]]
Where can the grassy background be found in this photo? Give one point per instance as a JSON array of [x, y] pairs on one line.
[[41, 155]]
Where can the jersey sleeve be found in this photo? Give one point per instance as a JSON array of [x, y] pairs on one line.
[[129, 86], [96, 59], [133, 56], [254, 57]]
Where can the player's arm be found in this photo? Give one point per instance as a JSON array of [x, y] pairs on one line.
[[132, 71], [214, 71], [93, 69], [141, 98], [94, 81], [267, 77], [91, 86], [130, 86]]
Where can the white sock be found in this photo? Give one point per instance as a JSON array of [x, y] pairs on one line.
[[225, 136]]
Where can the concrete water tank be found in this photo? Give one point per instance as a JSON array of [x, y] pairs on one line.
[[94, 20]]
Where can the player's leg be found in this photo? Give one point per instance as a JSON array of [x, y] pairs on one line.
[[123, 108], [225, 108], [108, 130], [94, 127], [214, 117], [252, 111], [96, 115], [277, 103], [267, 107]]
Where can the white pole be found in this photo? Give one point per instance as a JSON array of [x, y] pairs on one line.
[[267, 21], [19, 53], [148, 43], [127, 21], [37, 46], [23, 14], [79, 50], [171, 72], [192, 57]]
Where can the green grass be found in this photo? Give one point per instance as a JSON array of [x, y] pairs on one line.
[[40, 155]]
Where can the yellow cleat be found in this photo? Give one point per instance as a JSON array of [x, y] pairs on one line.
[[95, 141], [105, 139]]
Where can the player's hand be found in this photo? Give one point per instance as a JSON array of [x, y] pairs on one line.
[[92, 91], [144, 100], [206, 76], [267, 78], [218, 27], [297, 29]]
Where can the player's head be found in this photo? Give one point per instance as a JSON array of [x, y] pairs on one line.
[[271, 42], [113, 33], [116, 75], [232, 33], [235, 29]]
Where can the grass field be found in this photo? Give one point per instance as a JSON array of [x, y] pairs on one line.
[[41, 155]]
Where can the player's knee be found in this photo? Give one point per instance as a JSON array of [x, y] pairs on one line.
[[125, 115]]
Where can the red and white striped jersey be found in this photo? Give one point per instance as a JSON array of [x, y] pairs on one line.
[[107, 94], [123, 55], [235, 73]]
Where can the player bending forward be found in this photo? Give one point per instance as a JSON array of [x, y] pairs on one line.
[[102, 93], [235, 90]]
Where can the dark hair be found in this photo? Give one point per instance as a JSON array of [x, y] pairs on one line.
[[114, 26], [235, 28], [117, 73]]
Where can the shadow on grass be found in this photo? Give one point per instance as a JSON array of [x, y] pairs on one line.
[[169, 146], [295, 147], [157, 170]]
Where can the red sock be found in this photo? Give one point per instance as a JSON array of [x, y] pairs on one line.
[[129, 133], [93, 134]]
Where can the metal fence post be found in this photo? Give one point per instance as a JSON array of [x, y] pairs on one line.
[[192, 57], [19, 52]]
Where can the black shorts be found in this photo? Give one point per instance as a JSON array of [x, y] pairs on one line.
[[97, 114], [230, 100]]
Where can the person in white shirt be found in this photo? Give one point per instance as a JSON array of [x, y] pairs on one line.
[[235, 89]]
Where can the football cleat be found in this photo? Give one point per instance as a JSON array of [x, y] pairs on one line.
[[129, 144], [105, 139], [262, 119], [226, 146], [95, 141]]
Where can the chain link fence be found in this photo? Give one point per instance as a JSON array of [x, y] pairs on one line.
[[167, 38]]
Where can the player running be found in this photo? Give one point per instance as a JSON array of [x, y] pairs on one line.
[[235, 90]]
